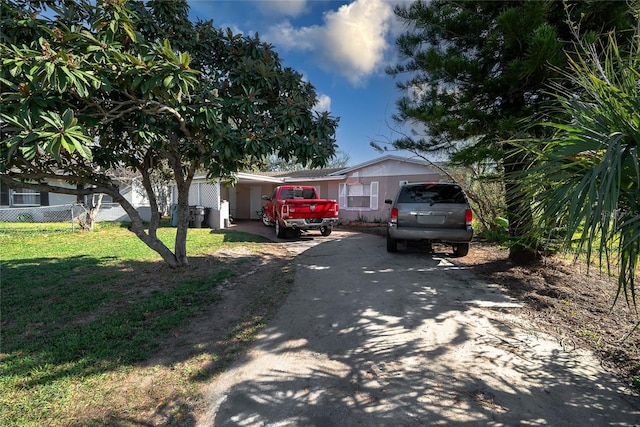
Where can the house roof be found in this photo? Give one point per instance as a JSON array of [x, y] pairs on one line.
[[306, 173], [326, 174], [380, 160], [335, 172]]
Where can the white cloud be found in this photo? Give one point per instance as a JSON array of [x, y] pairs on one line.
[[283, 7], [323, 104], [351, 42], [356, 37], [286, 36]]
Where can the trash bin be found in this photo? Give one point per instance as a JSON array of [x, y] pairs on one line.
[[196, 216], [192, 215], [206, 223], [173, 219]]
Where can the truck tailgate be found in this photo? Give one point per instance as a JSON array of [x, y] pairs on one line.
[[311, 208]]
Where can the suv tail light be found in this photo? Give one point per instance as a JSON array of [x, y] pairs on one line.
[[394, 216], [468, 217]]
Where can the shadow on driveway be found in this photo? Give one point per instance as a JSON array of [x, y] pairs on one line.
[[371, 338]]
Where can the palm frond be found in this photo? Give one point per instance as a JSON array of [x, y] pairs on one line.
[[586, 178]]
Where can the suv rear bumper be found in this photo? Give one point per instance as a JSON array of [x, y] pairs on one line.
[[434, 235]]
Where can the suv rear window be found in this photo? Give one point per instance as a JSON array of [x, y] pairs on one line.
[[430, 193]]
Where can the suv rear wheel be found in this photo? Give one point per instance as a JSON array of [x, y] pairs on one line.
[[392, 245], [460, 249]]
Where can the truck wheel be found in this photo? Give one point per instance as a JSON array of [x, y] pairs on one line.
[[281, 232], [265, 220], [325, 231], [392, 245], [461, 249]]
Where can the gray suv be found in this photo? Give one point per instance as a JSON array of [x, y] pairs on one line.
[[432, 212]]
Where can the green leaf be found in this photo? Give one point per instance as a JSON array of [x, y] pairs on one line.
[[68, 119], [29, 152], [185, 59], [53, 119], [128, 28], [66, 143], [8, 83], [50, 68]]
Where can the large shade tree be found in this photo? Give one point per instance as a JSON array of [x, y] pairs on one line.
[[91, 86], [275, 163], [476, 76]]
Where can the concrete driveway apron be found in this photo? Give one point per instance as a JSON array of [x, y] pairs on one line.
[[369, 338]]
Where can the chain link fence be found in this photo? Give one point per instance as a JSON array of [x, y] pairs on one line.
[[67, 216]]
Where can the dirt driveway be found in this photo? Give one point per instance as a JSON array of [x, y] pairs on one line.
[[370, 338]]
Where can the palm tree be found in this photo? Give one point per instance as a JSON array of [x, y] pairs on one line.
[[590, 169]]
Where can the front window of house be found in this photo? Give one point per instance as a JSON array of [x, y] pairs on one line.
[[25, 197], [359, 196]]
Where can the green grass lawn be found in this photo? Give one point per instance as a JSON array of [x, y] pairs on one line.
[[80, 310]]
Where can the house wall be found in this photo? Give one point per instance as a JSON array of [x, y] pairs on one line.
[[56, 205], [387, 187], [324, 190], [388, 174], [135, 194], [61, 199], [381, 178]]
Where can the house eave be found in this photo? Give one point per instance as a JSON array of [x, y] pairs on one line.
[[322, 178], [347, 170], [248, 177]]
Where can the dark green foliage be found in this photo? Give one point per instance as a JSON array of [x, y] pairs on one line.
[[94, 86], [477, 75], [586, 178]]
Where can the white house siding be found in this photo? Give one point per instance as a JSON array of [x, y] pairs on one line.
[[58, 207], [136, 195], [61, 199], [208, 195], [201, 193]]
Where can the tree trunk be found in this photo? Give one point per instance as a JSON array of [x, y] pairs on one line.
[[183, 222], [95, 201], [151, 240]]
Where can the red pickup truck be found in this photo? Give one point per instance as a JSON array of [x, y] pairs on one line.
[[299, 208]]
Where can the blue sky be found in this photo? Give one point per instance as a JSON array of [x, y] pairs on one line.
[[342, 49]]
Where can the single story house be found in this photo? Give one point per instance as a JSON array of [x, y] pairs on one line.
[[16, 204], [360, 190]]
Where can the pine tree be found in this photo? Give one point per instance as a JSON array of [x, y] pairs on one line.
[[477, 77]]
